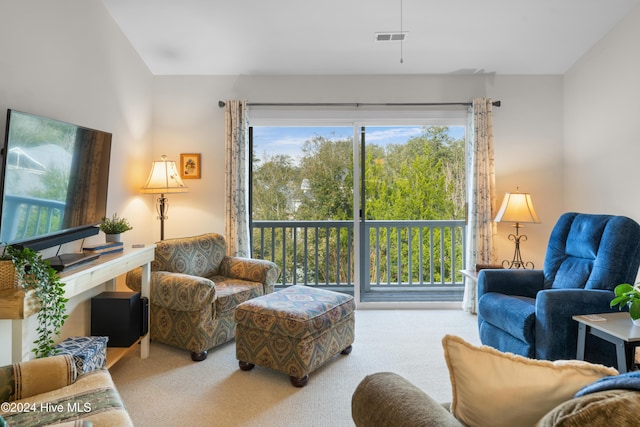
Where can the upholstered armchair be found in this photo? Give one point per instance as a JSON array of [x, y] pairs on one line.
[[195, 288], [528, 312]]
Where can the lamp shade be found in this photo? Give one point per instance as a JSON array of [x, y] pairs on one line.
[[164, 178], [517, 207]]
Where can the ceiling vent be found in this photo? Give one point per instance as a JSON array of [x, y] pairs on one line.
[[391, 37]]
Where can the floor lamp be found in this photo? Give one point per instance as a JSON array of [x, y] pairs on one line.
[[164, 178], [518, 208]]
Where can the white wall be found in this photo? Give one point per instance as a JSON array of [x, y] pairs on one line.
[[602, 125], [528, 134], [69, 61]]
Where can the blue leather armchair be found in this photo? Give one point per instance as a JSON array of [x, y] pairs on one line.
[[528, 312]]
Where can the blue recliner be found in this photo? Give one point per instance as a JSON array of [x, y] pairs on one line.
[[528, 312]]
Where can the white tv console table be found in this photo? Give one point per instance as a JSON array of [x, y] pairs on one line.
[[84, 277]]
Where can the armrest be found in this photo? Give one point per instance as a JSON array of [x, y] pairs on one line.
[[525, 283], [133, 279], [175, 291], [386, 399], [573, 301], [256, 270], [556, 331], [181, 292], [33, 377]]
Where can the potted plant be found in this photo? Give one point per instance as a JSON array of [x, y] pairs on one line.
[[629, 296], [114, 226], [34, 273]]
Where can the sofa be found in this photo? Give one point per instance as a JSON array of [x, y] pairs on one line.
[[50, 392], [195, 288], [494, 389]]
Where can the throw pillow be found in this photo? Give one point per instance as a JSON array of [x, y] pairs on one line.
[[601, 409], [492, 388]]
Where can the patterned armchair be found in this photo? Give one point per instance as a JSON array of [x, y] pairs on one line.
[[195, 288]]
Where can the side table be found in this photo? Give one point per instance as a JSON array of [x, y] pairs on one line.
[[470, 274], [78, 280], [616, 328]]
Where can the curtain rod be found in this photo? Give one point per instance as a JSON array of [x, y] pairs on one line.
[[221, 104]]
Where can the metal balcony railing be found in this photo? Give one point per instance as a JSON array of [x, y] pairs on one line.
[[400, 255], [29, 216]]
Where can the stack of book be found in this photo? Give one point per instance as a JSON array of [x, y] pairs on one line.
[[488, 266], [103, 248]]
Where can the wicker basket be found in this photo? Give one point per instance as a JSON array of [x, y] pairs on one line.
[[8, 276]]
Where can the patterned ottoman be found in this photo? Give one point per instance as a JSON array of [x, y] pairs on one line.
[[88, 353], [294, 331]]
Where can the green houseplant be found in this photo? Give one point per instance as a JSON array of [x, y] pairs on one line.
[[629, 296], [114, 226], [34, 273]]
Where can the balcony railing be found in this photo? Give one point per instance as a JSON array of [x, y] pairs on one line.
[[29, 216], [401, 255]]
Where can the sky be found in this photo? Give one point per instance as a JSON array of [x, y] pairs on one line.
[[289, 140]]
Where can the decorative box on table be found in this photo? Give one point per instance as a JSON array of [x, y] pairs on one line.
[[89, 353]]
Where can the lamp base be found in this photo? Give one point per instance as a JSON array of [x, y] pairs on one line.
[[517, 261], [162, 206]]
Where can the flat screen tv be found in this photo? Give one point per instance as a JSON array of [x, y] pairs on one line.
[[53, 181]]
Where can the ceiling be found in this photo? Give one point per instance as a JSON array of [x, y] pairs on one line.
[[300, 37]]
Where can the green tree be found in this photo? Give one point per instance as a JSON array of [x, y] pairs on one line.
[[327, 171], [276, 188], [422, 179]]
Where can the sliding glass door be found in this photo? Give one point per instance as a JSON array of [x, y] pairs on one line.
[[412, 212], [371, 206]]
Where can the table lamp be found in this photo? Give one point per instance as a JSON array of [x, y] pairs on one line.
[[164, 178], [517, 207]]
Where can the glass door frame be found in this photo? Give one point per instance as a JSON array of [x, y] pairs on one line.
[[359, 117]]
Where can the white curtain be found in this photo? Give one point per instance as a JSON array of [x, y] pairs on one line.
[[236, 179], [480, 194]]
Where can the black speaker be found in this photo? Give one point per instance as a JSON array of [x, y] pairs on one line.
[[145, 316], [119, 315]]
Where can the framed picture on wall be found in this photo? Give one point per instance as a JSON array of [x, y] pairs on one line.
[[190, 166]]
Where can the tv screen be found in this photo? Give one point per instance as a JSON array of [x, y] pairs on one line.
[[53, 181]]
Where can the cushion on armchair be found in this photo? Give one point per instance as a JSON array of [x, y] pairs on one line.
[[196, 256], [69, 399], [22, 380], [591, 252], [608, 408]]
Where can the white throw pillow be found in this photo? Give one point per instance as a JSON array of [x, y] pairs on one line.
[[492, 388]]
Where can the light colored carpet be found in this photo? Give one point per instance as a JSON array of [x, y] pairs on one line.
[[169, 389]]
